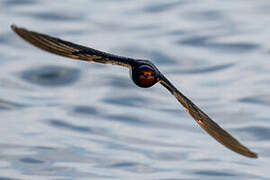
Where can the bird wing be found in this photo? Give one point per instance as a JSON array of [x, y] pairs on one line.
[[206, 122], [69, 49], [75, 51]]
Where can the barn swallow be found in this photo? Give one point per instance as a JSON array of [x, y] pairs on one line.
[[143, 73]]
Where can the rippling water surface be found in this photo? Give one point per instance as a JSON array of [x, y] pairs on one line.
[[64, 119]]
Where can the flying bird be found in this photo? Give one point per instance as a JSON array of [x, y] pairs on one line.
[[143, 73]]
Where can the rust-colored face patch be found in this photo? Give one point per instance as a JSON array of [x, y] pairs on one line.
[[146, 78]]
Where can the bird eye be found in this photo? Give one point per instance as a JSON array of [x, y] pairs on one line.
[[144, 76]]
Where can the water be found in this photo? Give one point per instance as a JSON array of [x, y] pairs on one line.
[[64, 119]]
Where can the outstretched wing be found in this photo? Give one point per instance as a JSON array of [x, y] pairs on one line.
[[206, 122], [69, 49], [75, 51]]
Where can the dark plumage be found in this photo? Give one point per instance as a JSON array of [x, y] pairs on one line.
[[144, 74]]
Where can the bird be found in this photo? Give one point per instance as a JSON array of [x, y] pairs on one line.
[[142, 72]]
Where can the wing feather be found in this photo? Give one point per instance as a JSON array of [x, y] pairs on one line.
[[207, 123], [68, 49]]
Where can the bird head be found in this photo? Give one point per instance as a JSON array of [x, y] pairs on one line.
[[144, 74]]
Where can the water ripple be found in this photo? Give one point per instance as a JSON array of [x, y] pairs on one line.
[[133, 167], [54, 16], [6, 178], [258, 99], [31, 160], [9, 105], [209, 15], [158, 8], [126, 119], [201, 70], [51, 75], [119, 82], [85, 110], [18, 3], [258, 132], [233, 47], [68, 126], [214, 173], [126, 101]]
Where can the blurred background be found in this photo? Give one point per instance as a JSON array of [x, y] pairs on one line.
[[65, 119]]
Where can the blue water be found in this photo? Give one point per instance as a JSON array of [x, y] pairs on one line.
[[62, 119]]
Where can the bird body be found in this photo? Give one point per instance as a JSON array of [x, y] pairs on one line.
[[143, 73]]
